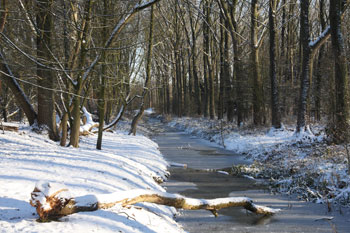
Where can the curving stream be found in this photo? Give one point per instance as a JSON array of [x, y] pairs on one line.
[[201, 180]]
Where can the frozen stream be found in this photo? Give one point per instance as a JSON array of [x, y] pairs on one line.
[[200, 180]]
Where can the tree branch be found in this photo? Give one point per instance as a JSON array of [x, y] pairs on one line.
[[116, 30]]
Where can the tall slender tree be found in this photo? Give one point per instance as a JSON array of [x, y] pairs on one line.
[[46, 78], [258, 93], [146, 87], [102, 79], [342, 109], [275, 105]]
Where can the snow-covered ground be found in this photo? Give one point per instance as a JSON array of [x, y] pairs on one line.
[[125, 163], [295, 164]]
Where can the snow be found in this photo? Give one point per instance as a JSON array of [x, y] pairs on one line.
[[253, 143], [89, 122], [173, 164], [125, 163], [223, 172], [322, 35], [149, 111]]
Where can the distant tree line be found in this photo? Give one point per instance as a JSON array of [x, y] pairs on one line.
[[248, 62], [255, 62]]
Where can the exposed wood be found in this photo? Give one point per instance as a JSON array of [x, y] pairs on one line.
[[8, 127], [89, 131], [53, 201]]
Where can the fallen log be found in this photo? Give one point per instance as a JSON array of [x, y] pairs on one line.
[[53, 201], [88, 124], [8, 127]]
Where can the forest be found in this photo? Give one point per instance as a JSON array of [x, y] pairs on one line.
[[111, 99], [247, 62]]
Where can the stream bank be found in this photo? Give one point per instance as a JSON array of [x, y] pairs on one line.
[[200, 180]]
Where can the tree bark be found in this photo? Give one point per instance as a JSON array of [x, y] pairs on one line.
[[221, 105], [228, 12], [101, 101], [258, 94], [342, 108], [9, 78], [66, 114], [206, 65], [309, 49], [193, 27], [139, 115], [209, 57], [20, 97], [75, 128], [46, 79], [306, 62], [318, 79], [275, 105]]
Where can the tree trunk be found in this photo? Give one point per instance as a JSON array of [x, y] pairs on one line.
[[66, 115], [228, 98], [221, 108], [306, 62], [75, 128], [197, 94], [283, 35], [228, 12], [209, 57], [205, 58], [342, 108], [20, 97], [275, 106], [184, 84], [46, 80], [318, 80], [190, 96], [3, 101], [139, 115], [9, 78], [258, 95], [178, 76], [101, 101]]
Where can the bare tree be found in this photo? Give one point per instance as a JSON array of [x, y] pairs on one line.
[[258, 93], [342, 109], [146, 87], [275, 105], [46, 79]]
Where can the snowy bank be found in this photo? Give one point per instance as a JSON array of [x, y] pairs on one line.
[[125, 163]]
